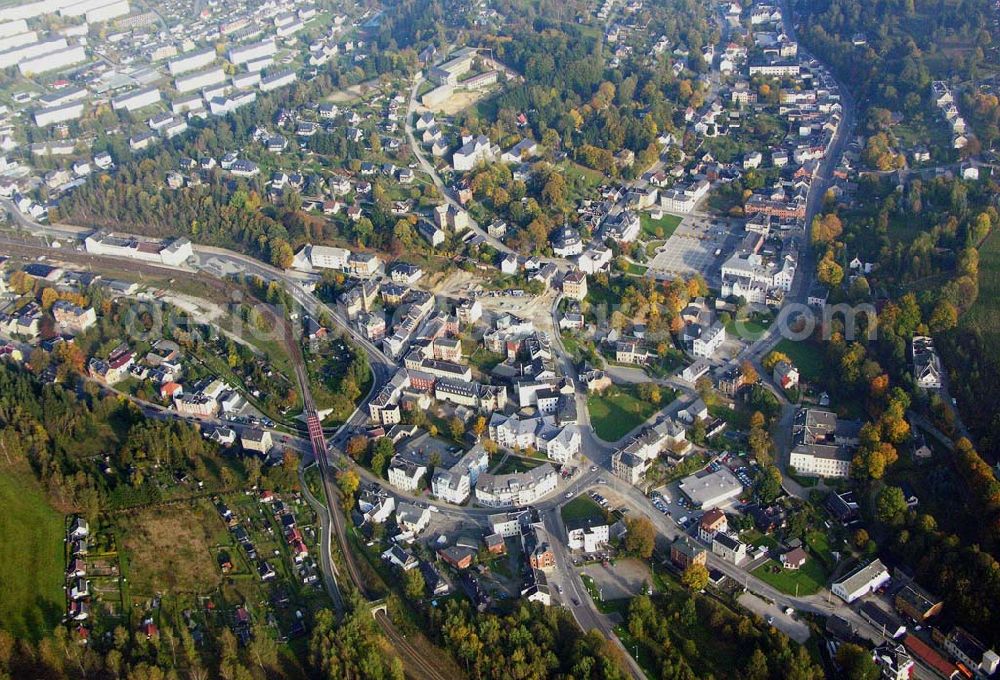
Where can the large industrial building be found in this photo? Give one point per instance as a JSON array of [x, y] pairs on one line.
[[172, 253], [711, 490]]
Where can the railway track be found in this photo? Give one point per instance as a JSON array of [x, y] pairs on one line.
[[414, 662]]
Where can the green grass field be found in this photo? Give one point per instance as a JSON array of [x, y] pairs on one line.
[[970, 352], [809, 579], [516, 464], [31, 558], [581, 508], [984, 316], [662, 228], [806, 355], [618, 410]]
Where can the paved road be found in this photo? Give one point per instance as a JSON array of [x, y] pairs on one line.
[[594, 451], [429, 169]]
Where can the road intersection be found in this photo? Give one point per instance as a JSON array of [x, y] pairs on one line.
[[596, 454]]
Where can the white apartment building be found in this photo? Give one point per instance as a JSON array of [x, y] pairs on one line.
[[30, 51], [473, 151], [191, 62], [53, 61], [588, 536], [59, 114], [255, 51], [136, 99], [516, 489], [201, 79], [822, 444], [405, 475], [455, 484]]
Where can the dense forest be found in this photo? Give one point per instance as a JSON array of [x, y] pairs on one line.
[[667, 626], [63, 434], [907, 44], [532, 641], [922, 242]]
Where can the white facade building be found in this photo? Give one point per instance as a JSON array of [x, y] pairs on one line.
[[136, 99], [246, 53], [19, 54], [276, 80], [59, 114], [112, 10], [516, 489], [191, 62], [53, 61], [588, 536], [473, 151], [861, 581], [196, 81], [405, 475]]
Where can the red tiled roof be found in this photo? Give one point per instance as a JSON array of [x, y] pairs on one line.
[[923, 651]]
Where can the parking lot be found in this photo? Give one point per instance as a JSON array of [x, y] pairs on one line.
[[626, 578], [692, 248], [671, 502], [786, 623]]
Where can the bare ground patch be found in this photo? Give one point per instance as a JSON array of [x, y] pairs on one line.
[[170, 549]]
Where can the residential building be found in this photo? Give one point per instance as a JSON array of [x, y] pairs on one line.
[[595, 259], [566, 242], [574, 285], [516, 489], [536, 545], [632, 351], [926, 363], [541, 432], [711, 523], [468, 311], [729, 548], [400, 558], [706, 340], [629, 467], [72, 318], [256, 439], [685, 552], [794, 559], [375, 505], [786, 375], [893, 661], [406, 474], [972, 653], [411, 518], [822, 444], [588, 535], [455, 483], [473, 151]]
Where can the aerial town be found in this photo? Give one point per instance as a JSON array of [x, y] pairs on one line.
[[450, 338]]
